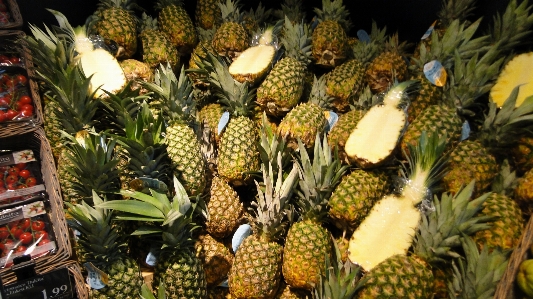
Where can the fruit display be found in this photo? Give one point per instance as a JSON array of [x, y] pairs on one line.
[[20, 178], [16, 103], [267, 153]]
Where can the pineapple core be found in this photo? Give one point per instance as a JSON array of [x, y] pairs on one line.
[[388, 230]]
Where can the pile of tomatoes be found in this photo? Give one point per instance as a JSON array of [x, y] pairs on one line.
[[14, 177], [10, 60], [15, 102], [20, 234]]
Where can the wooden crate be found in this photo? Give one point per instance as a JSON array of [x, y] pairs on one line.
[[16, 17]]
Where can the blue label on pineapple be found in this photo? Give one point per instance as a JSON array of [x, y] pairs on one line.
[[465, 131], [223, 122], [240, 234], [429, 31], [151, 259], [96, 279], [363, 36], [435, 73], [332, 118], [224, 284]]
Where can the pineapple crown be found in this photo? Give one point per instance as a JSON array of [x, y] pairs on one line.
[[505, 181], [318, 178], [117, 105], [172, 218], [231, 11], [339, 280], [453, 217], [297, 40], [511, 28], [272, 204], [318, 94], [334, 10], [503, 126], [128, 5], [478, 275], [237, 97], [205, 35], [148, 22], [99, 238], [93, 164], [256, 17], [270, 146], [427, 163], [455, 10], [146, 292], [365, 52], [176, 94], [291, 9]]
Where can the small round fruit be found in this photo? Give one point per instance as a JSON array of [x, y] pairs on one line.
[[31, 181], [16, 232], [14, 60], [11, 179], [24, 173], [3, 116], [37, 225], [43, 241], [26, 238], [21, 248], [5, 101], [25, 100], [4, 232], [24, 223], [21, 79], [41, 234], [11, 114], [13, 170]]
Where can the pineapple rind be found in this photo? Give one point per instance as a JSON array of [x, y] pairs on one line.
[[303, 122], [216, 259], [230, 39], [329, 44], [182, 273], [158, 49], [118, 25], [344, 83], [177, 24], [225, 209], [124, 279]]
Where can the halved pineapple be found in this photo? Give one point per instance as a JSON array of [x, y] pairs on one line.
[[377, 134], [516, 72]]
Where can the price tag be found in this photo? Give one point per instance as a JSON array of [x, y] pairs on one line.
[[53, 285], [96, 278], [224, 119], [240, 234], [429, 31], [435, 73], [465, 131], [332, 118]]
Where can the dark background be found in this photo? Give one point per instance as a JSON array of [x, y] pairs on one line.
[[410, 18]]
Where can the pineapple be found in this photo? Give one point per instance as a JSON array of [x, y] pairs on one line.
[[231, 38], [256, 270], [207, 14], [521, 154], [216, 259], [177, 267], [292, 9], [508, 224], [210, 115], [183, 146], [116, 23], [378, 133], [355, 195], [156, 47], [307, 119], [409, 275], [284, 86], [105, 248], [308, 243], [224, 208], [176, 23], [387, 67], [346, 82], [477, 157], [524, 193], [137, 71], [237, 154], [329, 44], [514, 73]]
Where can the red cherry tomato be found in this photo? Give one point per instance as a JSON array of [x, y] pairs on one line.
[[43, 241], [25, 223], [20, 166], [11, 114], [2, 174], [37, 225], [25, 112], [3, 116], [5, 101], [14, 60], [21, 79], [24, 100], [24, 173], [13, 170], [11, 186], [10, 84], [31, 181], [4, 232], [11, 179], [41, 233], [21, 248], [26, 238], [4, 58], [17, 231]]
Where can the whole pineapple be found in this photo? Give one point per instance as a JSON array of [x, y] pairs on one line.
[[117, 24], [155, 45], [174, 20], [224, 208], [256, 270], [182, 142], [207, 14], [308, 242], [284, 86], [330, 40], [170, 223], [216, 259], [106, 249], [230, 38]]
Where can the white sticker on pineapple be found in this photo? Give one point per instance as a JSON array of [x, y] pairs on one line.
[[332, 118], [240, 234], [223, 122], [435, 73], [96, 279], [429, 31], [151, 259], [465, 131]]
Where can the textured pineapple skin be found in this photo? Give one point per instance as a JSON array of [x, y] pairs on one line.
[[522, 154], [524, 193], [158, 49], [125, 281], [342, 130], [429, 94], [66, 179], [186, 158], [230, 39], [355, 195], [344, 83], [329, 44], [384, 69], [136, 71], [303, 122], [119, 26], [177, 24], [182, 273], [52, 127], [256, 270], [216, 259], [470, 160], [238, 153], [399, 276], [210, 114], [224, 208], [507, 229], [434, 119], [207, 14], [306, 246], [283, 87]]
